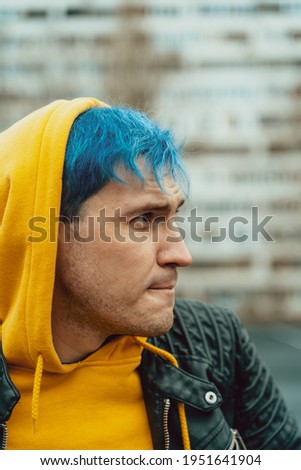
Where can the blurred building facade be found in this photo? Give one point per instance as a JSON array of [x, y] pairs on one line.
[[226, 76]]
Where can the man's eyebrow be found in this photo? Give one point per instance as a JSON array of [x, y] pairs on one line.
[[152, 207]]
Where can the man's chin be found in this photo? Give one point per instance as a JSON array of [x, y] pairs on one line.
[[158, 333], [158, 328]]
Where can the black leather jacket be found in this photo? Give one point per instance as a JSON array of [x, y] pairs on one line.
[[222, 381], [230, 398]]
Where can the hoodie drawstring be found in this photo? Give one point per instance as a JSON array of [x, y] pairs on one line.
[[36, 391], [181, 406]]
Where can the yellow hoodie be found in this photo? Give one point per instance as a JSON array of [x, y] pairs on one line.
[[93, 404]]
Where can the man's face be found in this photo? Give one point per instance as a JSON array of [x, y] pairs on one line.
[[121, 280]]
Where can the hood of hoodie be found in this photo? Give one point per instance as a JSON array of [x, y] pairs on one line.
[[31, 165]]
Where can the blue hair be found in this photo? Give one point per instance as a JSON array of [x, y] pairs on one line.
[[101, 140]]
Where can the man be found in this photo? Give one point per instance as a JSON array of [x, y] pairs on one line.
[[99, 354]]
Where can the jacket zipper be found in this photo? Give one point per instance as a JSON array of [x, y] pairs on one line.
[[4, 436], [236, 442], [165, 423]]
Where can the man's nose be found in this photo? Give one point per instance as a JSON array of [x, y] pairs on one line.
[[174, 252]]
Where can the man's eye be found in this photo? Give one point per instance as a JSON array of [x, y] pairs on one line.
[[142, 221]]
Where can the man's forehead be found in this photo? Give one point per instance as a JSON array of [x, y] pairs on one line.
[[135, 191], [132, 194]]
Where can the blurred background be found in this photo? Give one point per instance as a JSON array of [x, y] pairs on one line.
[[226, 77]]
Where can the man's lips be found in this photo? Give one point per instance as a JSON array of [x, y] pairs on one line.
[[165, 283], [169, 286], [162, 287]]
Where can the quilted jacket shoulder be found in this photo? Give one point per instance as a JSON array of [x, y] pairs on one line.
[[215, 352]]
